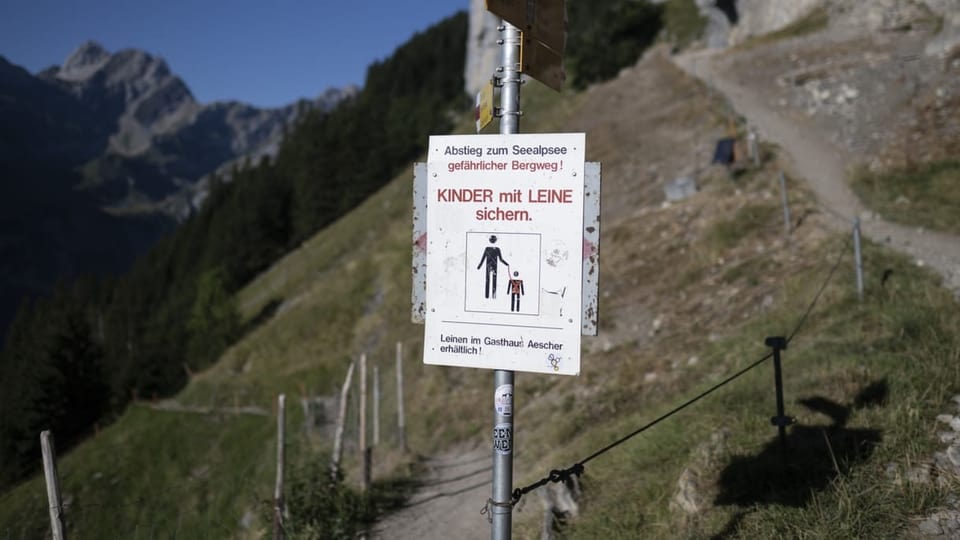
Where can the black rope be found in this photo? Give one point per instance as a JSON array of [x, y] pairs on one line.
[[562, 475], [823, 287]]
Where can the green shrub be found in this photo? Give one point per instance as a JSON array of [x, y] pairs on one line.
[[323, 508]]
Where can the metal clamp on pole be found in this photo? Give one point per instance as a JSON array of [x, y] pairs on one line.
[[781, 420]]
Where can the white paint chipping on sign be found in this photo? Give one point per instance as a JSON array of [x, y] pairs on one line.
[[419, 289], [591, 249], [503, 400], [504, 252]]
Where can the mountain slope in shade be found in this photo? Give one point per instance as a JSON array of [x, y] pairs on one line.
[[40, 121], [103, 154]]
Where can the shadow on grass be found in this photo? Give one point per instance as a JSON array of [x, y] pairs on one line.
[[814, 456]]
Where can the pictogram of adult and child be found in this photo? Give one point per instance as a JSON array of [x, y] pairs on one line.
[[493, 257]]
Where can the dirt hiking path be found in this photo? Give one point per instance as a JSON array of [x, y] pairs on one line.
[[448, 502], [811, 154]]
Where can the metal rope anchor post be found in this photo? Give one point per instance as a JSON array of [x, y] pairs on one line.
[[781, 420]]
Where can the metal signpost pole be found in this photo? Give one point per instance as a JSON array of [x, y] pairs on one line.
[[501, 509]]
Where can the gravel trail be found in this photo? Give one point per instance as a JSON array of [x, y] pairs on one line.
[[812, 155], [448, 502]]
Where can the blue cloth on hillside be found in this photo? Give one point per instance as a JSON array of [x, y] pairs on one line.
[[724, 152]]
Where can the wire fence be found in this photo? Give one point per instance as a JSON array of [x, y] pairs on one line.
[[563, 475]]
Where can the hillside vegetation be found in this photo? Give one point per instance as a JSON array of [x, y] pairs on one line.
[[79, 356], [75, 359], [689, 292]]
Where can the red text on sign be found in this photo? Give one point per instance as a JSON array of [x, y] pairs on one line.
[[464, 195], [550, 195]]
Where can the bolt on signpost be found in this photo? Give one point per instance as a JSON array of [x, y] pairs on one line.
[[506, 238]]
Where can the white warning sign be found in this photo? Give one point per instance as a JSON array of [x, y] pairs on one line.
[[504, 251]]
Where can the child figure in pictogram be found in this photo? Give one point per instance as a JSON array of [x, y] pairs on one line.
[[515, 286], [492, 256]]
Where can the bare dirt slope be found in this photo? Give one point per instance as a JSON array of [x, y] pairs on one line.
[[840, 99]]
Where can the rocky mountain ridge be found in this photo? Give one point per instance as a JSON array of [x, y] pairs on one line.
[[132, 86], [160, 140]]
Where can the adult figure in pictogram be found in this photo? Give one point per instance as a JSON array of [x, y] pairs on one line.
[[492, 257], [515, 286]]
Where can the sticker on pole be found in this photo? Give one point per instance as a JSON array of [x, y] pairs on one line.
[[503, 400], [503, 439], [504, 252]]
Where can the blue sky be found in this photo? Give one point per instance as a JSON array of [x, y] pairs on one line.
[[261, 52]]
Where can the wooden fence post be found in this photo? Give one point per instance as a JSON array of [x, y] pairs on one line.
[[859, 258], [786, 206], [376, 405], [364, 450], [57, 528], [400, 424], [341, 420], [279, 532]]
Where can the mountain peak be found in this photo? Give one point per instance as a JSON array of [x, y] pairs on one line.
[[86, 59]]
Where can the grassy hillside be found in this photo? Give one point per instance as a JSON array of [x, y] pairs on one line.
[[689, 292], [924, 195], [165, 471]]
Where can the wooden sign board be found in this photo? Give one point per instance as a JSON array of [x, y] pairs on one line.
[[542, 63], [542, 20]]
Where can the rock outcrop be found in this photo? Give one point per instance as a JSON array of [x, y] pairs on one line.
[[136, 89], [758, 17], [730, 22], [483, 53], [160, 142]]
